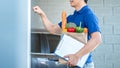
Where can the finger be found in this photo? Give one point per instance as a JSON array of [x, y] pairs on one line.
[[68, 63], [66, 56], [71, 63], [35, 8]]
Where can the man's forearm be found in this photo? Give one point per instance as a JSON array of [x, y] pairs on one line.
[[91, 45], [48, 25], [52, 28]]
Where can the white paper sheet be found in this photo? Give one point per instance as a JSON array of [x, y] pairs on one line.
[[69, 45]]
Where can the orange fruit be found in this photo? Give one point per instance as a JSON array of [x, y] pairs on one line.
[[85, 30]]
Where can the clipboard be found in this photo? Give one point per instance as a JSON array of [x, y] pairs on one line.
[[70, 45]]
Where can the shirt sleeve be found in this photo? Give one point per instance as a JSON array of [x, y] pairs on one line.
[[60, 24], [92, 24]]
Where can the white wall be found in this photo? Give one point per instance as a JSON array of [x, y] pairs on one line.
[[53, 10]]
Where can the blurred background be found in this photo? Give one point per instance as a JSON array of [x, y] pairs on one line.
[[15, 30], [107, 54]]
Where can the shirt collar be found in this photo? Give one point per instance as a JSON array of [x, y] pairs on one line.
[[81, 10]]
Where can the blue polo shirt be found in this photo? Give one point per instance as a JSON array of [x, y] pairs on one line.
[[88, 19]]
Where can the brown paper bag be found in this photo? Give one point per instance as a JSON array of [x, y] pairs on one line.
[[82, 37]]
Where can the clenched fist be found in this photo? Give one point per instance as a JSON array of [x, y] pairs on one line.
[[38, 10]]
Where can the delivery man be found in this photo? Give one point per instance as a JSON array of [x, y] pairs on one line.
[[89, 20]]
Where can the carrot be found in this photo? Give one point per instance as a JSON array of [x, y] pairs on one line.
[[85, 30], [64, 30], [63, 20]]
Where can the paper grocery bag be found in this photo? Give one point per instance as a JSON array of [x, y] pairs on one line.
[[82, 37]]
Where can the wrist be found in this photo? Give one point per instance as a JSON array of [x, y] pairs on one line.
[[78, 55], [41, 14]]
